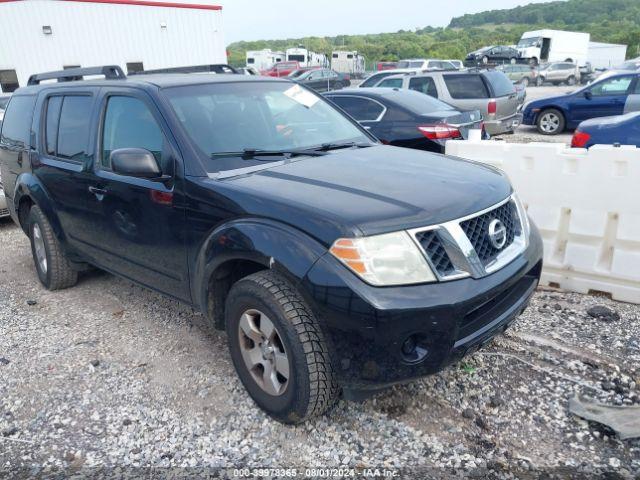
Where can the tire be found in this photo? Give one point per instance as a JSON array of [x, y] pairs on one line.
[[550, 122], [539, 81], [485, 60], [337, 86], [524, 81], [307, 386], [533, 61], [513, 60], [571, 80], [53, 268]]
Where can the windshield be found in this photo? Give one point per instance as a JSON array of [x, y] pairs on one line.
[[528, 42], [233, 117], [412, 64]]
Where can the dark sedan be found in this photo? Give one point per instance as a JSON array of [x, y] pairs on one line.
[[621, 129], [494, 54], [406, 118], [323, 80]]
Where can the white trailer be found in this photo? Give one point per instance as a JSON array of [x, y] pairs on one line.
[[263, 59], [606, 55], [307, 58], [543, 46], [45, 35], [351, 63]]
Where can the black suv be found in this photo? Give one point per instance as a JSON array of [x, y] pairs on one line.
[[335, 264]]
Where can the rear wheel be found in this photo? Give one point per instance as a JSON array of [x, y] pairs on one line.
[[550, 122], [53, 268], [485, 60], [337, 86], [278, 348], [571, 80], [513, 60], [539, 81]]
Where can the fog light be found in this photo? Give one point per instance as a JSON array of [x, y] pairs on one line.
[[414, 348]]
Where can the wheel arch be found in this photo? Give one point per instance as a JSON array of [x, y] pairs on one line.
[[239, 248], [30, 191]]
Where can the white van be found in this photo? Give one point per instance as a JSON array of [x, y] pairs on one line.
[[263, 59], [351, 63], [542, 46]]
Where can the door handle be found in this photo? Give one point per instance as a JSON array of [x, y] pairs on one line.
[[97, 191]]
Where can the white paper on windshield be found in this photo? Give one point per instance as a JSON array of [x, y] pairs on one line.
[[301, 96]]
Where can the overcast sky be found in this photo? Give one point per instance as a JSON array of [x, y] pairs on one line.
[[275, 19]]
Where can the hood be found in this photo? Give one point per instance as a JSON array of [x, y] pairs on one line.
[[369, 191], [547, 101]]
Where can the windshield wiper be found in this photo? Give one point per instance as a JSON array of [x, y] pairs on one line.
[[325, 147], [252, 153]]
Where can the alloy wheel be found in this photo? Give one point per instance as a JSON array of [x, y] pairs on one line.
[[38, 244], [263, 352], [549, 122]]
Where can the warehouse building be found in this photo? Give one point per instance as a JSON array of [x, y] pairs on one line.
[[45, 35]]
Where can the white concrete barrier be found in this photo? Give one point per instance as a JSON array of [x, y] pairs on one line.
[[586, 205]]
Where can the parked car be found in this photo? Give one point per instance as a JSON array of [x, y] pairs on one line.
[[620, 129], [300, 71], [4, 211], [324, 80], [319, 250], [488, 91], [380, 66], [281, 69], [493, 54], [375, 78], [458, 64], [630, 65], [523, 74], [557, 73], [406, 118], [248, 71], [426, 64], [605, 97]]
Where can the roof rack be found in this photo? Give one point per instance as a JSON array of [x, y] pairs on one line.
[[110, 72]]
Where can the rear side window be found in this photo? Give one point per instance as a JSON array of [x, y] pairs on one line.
[[500, 84], [128, 123], [73, 128], [362, 109], [424, 85], [391, 83], [466, 86], [16, 127]]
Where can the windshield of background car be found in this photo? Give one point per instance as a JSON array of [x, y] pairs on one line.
[[528, 42], [231, 117]]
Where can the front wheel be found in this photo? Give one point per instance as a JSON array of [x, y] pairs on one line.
[[539, 81], [513, 60], [52, 266], [485, 60], [525, 81], [337, 86], [278, 348], [550, 122], [571, 80]]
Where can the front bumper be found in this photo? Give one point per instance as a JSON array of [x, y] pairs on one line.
[[503, 125], [4, 210], [368, 326]]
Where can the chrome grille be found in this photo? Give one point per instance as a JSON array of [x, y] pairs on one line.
[[462, 248], [4, 212], [477, 230], [432, 245]]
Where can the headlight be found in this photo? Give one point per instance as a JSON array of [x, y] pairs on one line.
[[524, 218], [384, 260]]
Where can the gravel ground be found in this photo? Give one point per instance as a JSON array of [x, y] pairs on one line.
[[109, 375]]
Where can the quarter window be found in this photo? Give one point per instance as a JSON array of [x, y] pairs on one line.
[[466, 86], [51, 126], [128, 123], [16, 127]]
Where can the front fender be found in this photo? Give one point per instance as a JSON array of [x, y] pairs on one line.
[[272, 244], [29, 186]]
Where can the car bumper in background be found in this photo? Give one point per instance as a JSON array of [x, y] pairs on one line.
[[4, 210], [504, 125], [371, 330]]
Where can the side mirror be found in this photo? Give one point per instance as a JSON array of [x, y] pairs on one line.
[[134, 162], [588, 95]]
